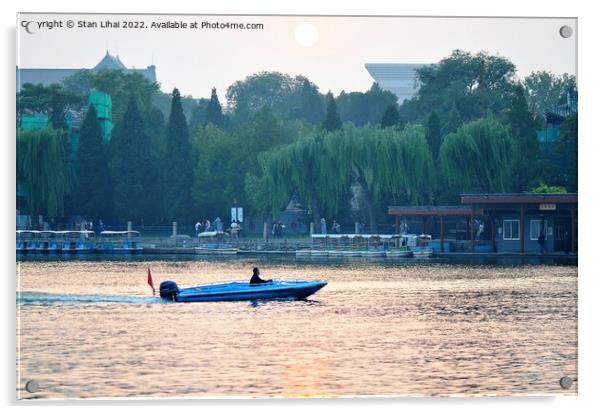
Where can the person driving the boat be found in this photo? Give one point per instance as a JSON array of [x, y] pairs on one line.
[[255, 279]]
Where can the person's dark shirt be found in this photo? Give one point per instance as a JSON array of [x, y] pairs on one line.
[[255, 279]]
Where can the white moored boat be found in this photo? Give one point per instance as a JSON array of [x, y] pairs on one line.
[[120, 241], [213, 244], [76, 241], [27, 241], [48, 242]]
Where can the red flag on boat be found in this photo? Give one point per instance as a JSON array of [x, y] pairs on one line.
[[149, 280]]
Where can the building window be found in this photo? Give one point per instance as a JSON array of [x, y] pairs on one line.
[[536, 228], [511, 230]]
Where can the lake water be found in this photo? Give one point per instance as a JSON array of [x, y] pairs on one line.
[[91, 329]]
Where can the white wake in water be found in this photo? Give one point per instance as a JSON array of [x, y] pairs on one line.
[[41, 298]]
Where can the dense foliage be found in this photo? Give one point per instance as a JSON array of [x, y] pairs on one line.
[[472, 127], [525, 147], [461, 88], [42, 167], [134, 169], [321, 166], [177, 165], [93, 194], [332, 121], [477, 158], [363, 108]]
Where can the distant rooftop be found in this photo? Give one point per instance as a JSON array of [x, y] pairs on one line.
[[47, 76], [513, 198], [110, 62]]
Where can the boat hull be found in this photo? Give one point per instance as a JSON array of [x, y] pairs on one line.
[[122, 250], [423, 254], [243, 291], [79, 250], [217, 251], [373, 253], [397, 253]]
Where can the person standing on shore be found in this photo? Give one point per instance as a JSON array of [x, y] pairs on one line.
[[541, 240], [336, 227], [403, 227], [219, 227], [323, 225], [234, 229]]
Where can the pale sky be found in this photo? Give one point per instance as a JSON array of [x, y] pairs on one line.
[[333, 57]]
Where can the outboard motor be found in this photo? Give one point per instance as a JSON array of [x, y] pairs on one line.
[[168, 290]]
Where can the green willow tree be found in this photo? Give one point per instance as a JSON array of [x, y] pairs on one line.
[[320, 168], [383, 163], [178, 165], [301, 168], [478, 157], [93, 189], [42, 167], [332, 121]]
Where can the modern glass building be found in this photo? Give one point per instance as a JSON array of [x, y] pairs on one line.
[[399, 78]]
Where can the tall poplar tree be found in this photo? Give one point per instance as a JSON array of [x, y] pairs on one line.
[[433, 134], [525, 147], [133, 168], [214, 111], [332, 122], [178, 165], [309, 107], [93, 191], [568, 147]]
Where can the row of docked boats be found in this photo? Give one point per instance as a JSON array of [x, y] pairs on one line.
[[213, 243], [76, 242], [393, 253], [369, 245]]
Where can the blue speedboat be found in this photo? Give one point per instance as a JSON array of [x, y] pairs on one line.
[[230, 291]]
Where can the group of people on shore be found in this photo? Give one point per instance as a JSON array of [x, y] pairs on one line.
[[217, 225], [277, 229], [335, 228], [89, 225]]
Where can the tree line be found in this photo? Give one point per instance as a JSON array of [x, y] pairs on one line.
[[471, 128]]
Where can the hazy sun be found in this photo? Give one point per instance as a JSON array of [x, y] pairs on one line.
[[306, 34]]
